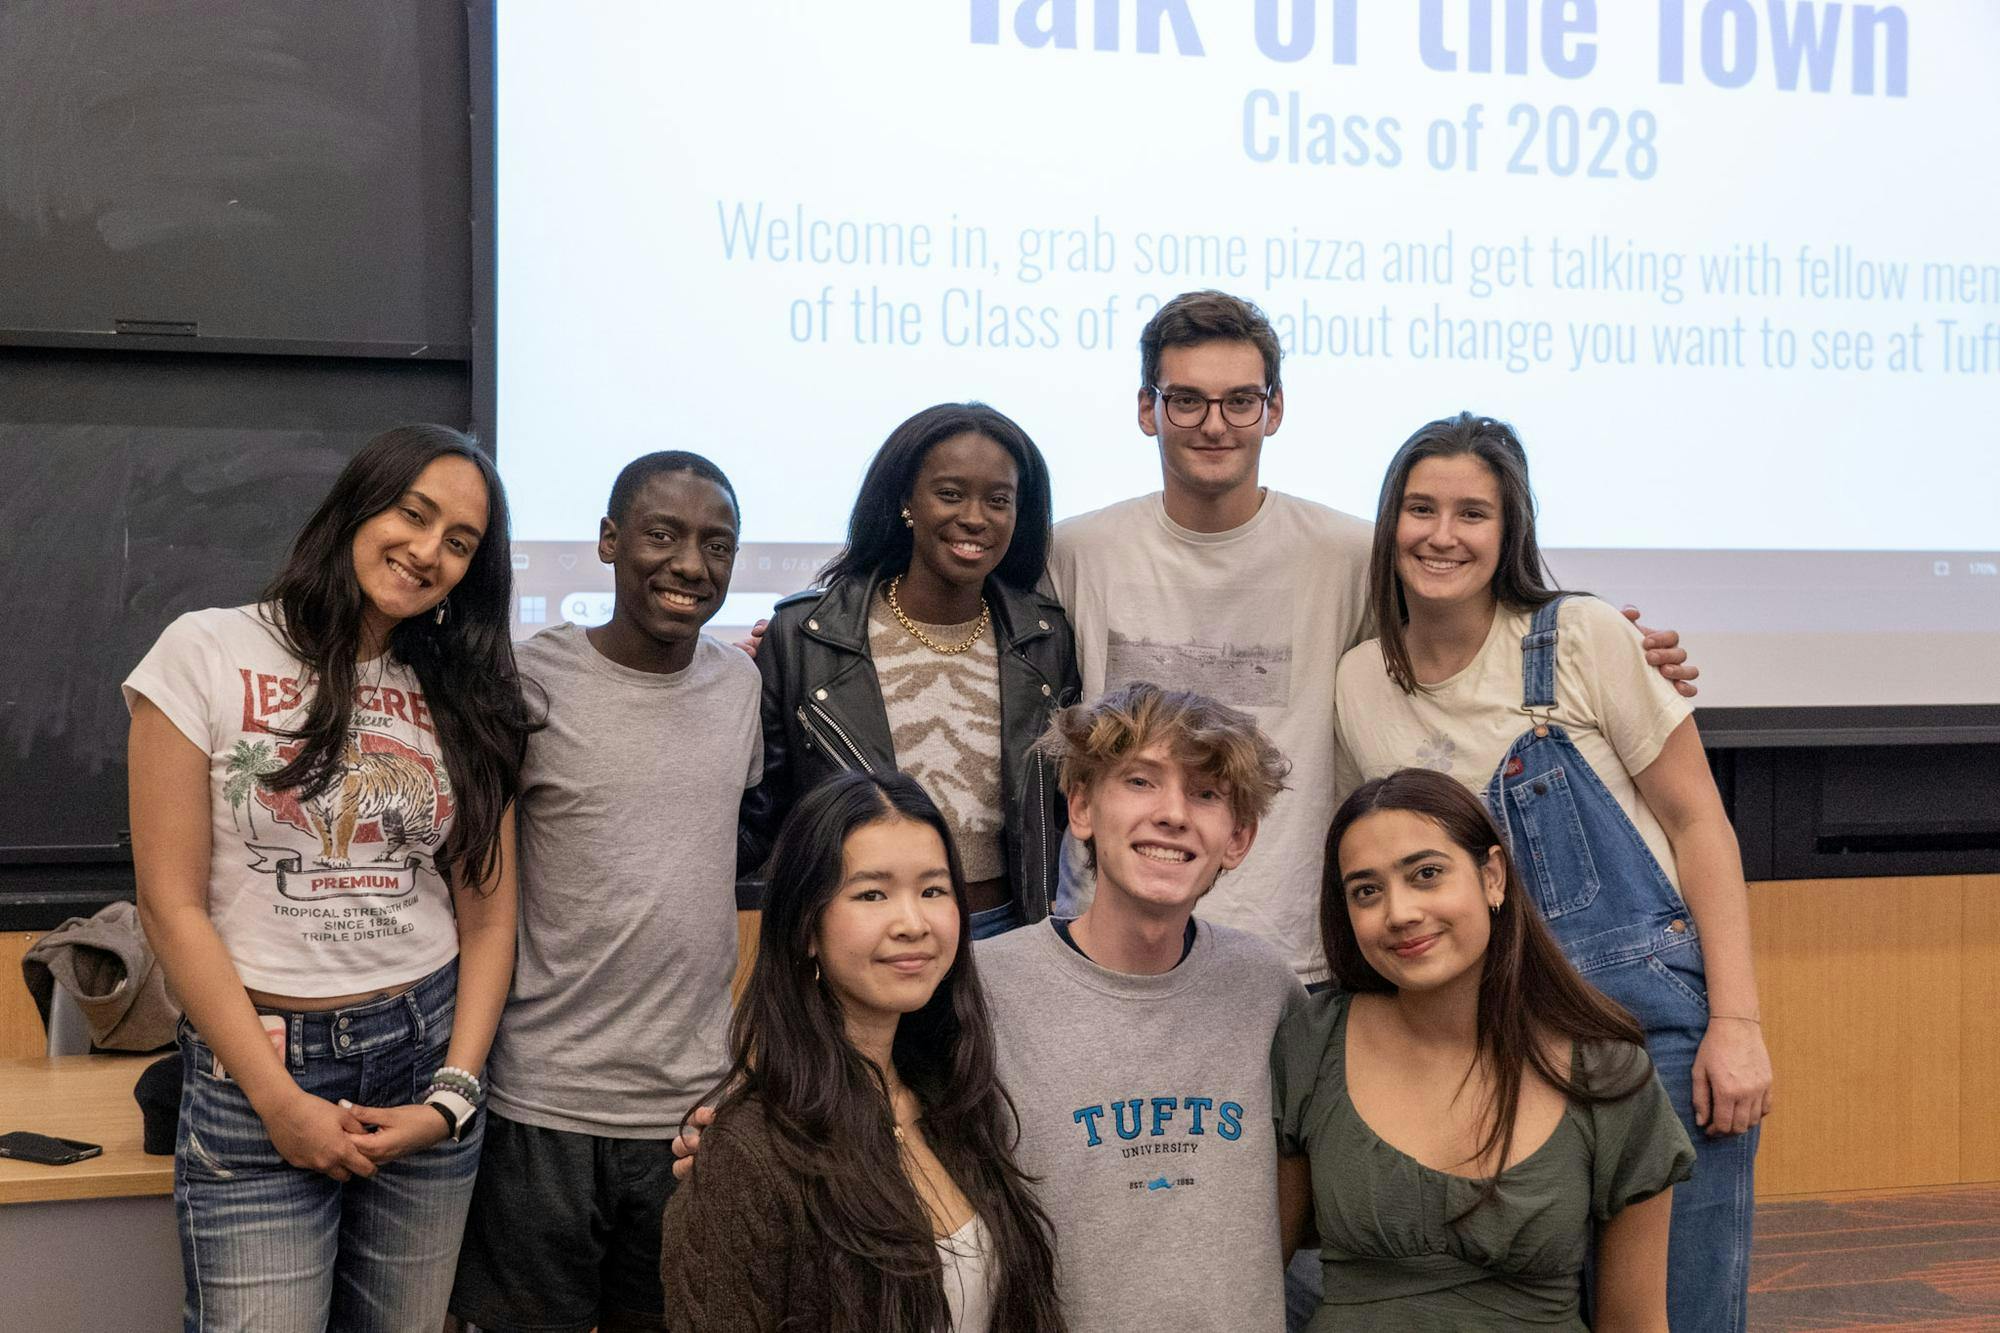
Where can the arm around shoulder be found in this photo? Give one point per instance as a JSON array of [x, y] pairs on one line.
[[729, 1234]]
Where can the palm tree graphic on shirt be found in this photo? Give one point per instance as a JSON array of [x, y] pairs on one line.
[[248, 764]]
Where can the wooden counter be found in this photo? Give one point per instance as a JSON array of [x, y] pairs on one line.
[[86, 1097]]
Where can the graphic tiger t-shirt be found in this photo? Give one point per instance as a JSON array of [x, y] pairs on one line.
[[326, 896]]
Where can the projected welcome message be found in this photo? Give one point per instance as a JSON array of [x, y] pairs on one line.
[[1813, 48]]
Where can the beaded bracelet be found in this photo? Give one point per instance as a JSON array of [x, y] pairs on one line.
[[460, 1081]]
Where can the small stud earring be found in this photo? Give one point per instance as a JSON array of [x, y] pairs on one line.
[[442, 608], [908, 522]]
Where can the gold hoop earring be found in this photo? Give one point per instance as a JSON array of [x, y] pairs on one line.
[[815, 972]]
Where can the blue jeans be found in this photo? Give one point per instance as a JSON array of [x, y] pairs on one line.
[[267, 1247], [996, 921], [1621, 921], [1708, 1249]]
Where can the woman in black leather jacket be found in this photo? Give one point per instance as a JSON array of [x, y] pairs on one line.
[[926, 647]]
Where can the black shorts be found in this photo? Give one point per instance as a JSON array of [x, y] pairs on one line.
[[564, 1232]]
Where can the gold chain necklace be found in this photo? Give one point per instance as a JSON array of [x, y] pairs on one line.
[[985, 614]]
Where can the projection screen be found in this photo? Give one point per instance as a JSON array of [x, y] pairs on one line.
[[1729, 267]]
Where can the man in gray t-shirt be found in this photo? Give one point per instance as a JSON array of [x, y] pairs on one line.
[[618, 1018]]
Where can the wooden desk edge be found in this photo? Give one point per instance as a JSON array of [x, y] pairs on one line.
[[50, 1185]]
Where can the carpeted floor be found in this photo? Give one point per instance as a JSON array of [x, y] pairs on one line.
[[1906, 1261]]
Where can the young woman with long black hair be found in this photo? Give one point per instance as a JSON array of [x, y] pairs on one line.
[[926, 647], [1543, 702], [859, 1175], [1464, 1115], [321, 791]]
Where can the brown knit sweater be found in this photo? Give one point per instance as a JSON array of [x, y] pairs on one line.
[[735, 1255], [738, 1254]]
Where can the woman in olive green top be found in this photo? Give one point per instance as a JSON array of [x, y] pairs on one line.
[[1464, 1112]]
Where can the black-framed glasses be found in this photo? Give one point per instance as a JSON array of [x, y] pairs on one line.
[[1188, 409]]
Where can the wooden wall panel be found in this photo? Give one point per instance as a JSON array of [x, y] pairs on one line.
[[21, 1032], [1860, 982], [1979, 1033]]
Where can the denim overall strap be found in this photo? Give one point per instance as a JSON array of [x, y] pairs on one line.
[[1538, 657], [1538, 691], [1597, 882]]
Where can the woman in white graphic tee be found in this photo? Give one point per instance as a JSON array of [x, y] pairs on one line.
[[321, 792]]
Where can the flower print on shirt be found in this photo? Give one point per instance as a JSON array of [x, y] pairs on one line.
[[1436, 752]]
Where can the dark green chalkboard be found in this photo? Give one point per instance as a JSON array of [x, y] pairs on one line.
[[235, 175]]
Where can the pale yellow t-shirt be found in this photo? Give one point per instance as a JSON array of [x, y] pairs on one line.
[[1617, 710]]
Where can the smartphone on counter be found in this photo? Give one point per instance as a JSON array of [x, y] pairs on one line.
[[25, 1147]]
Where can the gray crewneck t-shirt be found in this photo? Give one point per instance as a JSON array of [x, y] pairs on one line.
[[618, 1019], [1144, 1105]]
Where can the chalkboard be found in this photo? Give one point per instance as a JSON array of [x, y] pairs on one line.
[[132, 489], [112, 533], [278, 177], [235, 175]]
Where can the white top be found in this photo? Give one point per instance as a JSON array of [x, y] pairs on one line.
[[968, 1276], [327, 896], [1256, 617], [1617, 710]]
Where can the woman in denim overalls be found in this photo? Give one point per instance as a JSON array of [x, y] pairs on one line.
[[1460, 591]]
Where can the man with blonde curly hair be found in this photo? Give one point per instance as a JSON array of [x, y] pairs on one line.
[[1135, 1039]]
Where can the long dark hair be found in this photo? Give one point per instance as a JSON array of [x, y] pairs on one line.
[[466, 664], [829, 1106], [1528, 992], [878, 542], [1522, 579]]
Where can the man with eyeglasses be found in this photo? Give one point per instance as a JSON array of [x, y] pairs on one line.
[[1219, 585]]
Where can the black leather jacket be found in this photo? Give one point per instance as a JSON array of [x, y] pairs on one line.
[[823, 712]]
